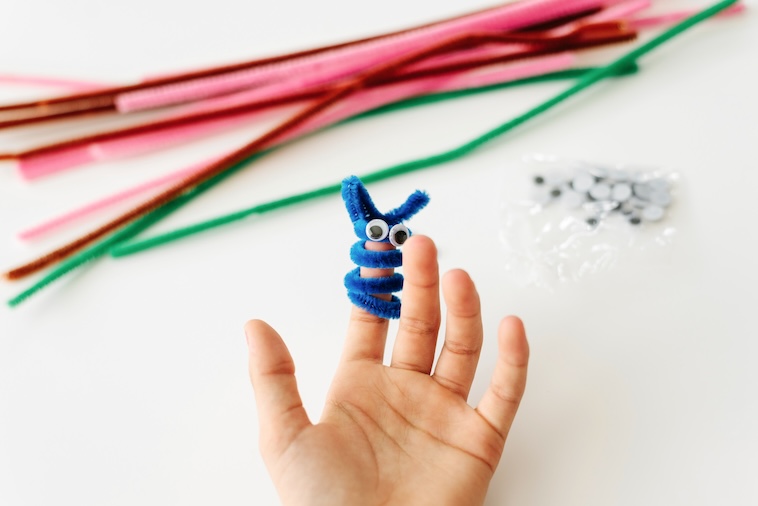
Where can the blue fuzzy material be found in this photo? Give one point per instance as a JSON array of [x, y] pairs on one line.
[[355, 283], [362, 210], [375, 259], [389, 309]]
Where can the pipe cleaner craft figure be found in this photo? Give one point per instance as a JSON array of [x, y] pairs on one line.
[[371, 225]]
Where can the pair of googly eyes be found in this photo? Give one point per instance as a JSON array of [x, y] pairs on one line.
[[378, 230]]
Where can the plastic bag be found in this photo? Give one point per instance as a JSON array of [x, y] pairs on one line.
[[569, 219]]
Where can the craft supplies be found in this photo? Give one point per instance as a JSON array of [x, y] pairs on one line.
[[575, 218], [319, 108], [455, 153], [117, 244], [505, 17], [45, 160], [359, 58], [371, 226], [209, 115], [267, 140], [601, 192]]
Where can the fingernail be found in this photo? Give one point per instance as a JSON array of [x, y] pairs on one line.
[[249, 340]]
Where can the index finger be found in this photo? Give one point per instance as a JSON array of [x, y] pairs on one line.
[[367, 333]]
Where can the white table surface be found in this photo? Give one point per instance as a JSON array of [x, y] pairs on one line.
[[126, 383]]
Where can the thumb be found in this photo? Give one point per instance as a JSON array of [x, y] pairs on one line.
[[281, 415]]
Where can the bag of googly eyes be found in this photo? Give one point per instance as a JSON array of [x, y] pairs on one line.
[[566, 219]]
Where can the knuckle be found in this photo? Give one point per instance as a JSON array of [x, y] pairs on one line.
[[420, 327], [462, 348], [465, 310], [452, 385], [279, 368], [507, 395], [425, 282], [404, 364], [363, 317]]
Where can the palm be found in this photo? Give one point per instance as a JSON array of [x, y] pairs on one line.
[[413, 414], [389, 431], [394, 435]]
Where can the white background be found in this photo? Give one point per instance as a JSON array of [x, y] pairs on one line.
[[126, 383]]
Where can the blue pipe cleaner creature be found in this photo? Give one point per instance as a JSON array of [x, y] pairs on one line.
[[371, 225]]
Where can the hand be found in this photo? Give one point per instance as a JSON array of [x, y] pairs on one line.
[[398, 434]]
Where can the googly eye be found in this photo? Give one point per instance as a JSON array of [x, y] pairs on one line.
[[377, 230], [399, 234]]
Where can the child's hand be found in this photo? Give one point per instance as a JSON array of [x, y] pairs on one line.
[[397, 434]]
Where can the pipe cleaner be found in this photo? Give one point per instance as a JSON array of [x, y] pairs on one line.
[[626, 63], [161, 209], [114, 245], [509, 16], [314, 110], [371, 225]]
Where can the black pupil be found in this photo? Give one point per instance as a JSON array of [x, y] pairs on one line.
[[375, 231], [401, 236]]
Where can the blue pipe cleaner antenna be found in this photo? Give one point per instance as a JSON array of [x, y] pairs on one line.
[[371, 225]]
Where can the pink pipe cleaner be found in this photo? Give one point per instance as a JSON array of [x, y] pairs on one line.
[[356, 58], [268, 91], [70, 84], [276, 89], [617, 12], [673, 17], [361, 102], [109, 201], [613, 13], [45, 164], [373, 98]]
